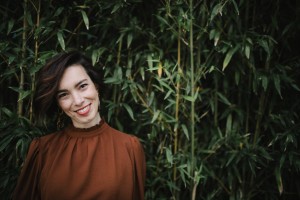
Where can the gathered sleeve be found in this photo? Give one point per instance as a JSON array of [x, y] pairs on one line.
[[28, 182], [139, 169]]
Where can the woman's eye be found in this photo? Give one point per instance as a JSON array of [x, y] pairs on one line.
[[83, 85], [61, 95]]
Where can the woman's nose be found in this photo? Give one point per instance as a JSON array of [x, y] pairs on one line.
[[78, 99]]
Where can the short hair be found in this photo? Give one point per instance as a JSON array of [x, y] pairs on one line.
[[48, 78]]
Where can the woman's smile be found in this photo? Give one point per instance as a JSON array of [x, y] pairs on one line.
[[85, 110]]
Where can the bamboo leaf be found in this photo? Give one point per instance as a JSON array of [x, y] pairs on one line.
[[94, 57], [116, 7], [7, 111], [85, 19], [129, 110], [188, 98], [277, 84], [169, 155], [34, 69], [223, 99], [58, 11], [16, 89], [237, 77], [247, 51], [162, 20], [168, 94], [216, 10], [216, 38], [278, 180], [185, 131], [11, 23], [61, 40], [230, 159], [165, 85], [112, 80], [229, 124], [150, 99], [160, 69], [129, 40], [4, 143], [150, 61], [29, 19], [142, 73], [155, 116], [212, 34], [264, 44], [228, 57], [264, 82], [24, 94], [236, 7], [295, 87]]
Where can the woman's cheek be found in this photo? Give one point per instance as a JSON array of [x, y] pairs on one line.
[[65, 105]]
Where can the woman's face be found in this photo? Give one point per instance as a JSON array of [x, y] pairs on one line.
[[78, 97]]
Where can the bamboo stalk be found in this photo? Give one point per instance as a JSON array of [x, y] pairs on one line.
[[216, 108], [115, 97], [36, 50], [259, 116], [177, 103], [192, 102], [248, 103], [177, 95], [192, 86], [261, 106], [119, 51], [23, 56]]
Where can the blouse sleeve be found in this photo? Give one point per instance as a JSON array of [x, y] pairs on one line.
[[139, 168], [27, 185]]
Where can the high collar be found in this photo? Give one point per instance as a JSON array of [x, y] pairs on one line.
[[86, 132]]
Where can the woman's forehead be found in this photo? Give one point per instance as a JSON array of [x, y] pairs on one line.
[[72, 75]]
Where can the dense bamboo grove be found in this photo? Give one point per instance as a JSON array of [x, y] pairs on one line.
[[210, 87]]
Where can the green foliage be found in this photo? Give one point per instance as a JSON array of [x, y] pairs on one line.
[[210, 87], [16, 135]]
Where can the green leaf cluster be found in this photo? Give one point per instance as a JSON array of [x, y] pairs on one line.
[[210, 87]]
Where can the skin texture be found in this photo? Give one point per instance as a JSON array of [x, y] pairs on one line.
[[78, 97]]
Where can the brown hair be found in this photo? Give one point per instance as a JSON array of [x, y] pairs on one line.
[[45, 104]]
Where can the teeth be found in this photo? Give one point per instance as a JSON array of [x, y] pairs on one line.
[[83, 110]]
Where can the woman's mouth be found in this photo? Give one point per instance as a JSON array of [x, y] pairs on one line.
[[83, 111]]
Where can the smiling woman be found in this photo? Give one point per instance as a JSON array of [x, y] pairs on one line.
[[78, 97], [87, 159], [50, 79]]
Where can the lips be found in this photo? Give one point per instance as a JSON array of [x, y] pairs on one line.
[[84, 111]]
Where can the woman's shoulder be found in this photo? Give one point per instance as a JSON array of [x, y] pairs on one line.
[[122, 135], [126, 138], [42, 141]]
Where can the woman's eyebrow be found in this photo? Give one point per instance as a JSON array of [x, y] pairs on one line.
[[60, 91]]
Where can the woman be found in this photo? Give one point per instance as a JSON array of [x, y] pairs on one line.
[[87, 159]]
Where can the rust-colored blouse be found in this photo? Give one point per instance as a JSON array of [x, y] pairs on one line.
[[83, 164]]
